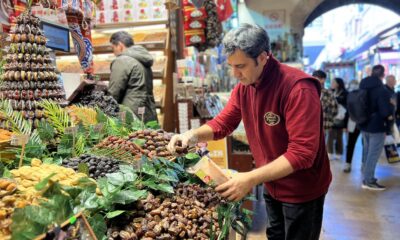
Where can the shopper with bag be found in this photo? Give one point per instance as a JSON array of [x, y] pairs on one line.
[[374, 130], [335, 138], [282, 115]]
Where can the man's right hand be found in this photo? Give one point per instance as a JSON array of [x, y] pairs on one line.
[[186, 139]]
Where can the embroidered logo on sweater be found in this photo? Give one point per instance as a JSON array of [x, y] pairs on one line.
[[271, 119]]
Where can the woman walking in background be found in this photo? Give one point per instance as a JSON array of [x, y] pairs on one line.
[[353, 132], [335, 139]]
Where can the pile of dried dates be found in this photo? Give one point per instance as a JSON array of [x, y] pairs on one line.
[[97, 166], [189, 214], [156, 142], [120, 145], [29, 73], [96, 98]]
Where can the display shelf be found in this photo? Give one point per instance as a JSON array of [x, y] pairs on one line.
[[107, 26], [151, 46], [152, 35]]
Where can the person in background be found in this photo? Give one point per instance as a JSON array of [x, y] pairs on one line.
[[285, 135], [131, 80], [328, 102], [335, 138], [374, 130], [390, 86], [353, 133]]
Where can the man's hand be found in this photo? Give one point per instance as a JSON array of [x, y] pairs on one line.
[[237, 187], [188, 138]]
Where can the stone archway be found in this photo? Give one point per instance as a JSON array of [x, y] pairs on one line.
[[308, 10]]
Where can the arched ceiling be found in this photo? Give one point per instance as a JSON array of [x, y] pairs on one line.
[[328, 5], [308, 10]]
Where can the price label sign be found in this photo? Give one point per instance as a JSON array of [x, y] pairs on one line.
[[19, 140], [98, 127], [71, 130], [122, 116], [141, 110]]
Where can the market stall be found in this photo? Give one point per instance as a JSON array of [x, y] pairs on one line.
[[86, 173]]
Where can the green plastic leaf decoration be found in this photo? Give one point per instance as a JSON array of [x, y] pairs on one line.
[[165, 188], [83, 168], [114, 214], [42, 184], [129, 196], [117, 179], [153, 125], [46, 131], [57, 116], [98, 225]]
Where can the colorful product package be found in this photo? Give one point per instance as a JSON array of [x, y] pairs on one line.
[[209, 172]]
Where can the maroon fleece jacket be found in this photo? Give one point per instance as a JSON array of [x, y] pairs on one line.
[[282, 116]]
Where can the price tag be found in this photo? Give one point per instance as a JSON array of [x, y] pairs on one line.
[[19, 140], [122, 116], [72, 220], [141, 110], [71, 130], [98, 127]]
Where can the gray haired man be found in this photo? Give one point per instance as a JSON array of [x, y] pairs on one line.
[[281, 112]]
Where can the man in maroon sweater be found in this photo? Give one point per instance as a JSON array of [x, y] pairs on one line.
[[281, 112]]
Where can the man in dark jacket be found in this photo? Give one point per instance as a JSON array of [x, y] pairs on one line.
[[373, 131], [131, 81]]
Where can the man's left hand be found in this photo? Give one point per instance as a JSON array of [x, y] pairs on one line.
[[237, 187]]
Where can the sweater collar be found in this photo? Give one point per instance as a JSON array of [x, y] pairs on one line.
[[268, 73]]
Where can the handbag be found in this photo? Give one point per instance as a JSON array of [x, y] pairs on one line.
[[339, 120], [391, 153]]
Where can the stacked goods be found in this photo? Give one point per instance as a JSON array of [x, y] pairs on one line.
[[120, 145], [155, 143], [189, 214], [5, 135], [7, 186], [28, 176], [97, 166], [29, 74], [7, 206], [96, 98]]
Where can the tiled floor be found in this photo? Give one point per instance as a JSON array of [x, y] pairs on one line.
[[352, 213]]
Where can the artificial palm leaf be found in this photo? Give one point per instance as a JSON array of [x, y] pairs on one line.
[[79, 147], [56, 115], [81, 114]]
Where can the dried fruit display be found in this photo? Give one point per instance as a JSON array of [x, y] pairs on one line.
[[29, 73], [7, 186], [96, 98], [7, 206], [155, 143], [28, 176], [5, 135], [120, 145], [97, 166], [189, 214]]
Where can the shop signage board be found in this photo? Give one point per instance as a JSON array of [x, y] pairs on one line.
[[219, 152]]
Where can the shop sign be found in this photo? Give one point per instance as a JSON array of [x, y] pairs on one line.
[[218, 152], [275, 19]]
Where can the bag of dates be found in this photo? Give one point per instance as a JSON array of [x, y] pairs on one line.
[[194, 24], [209, 172], [194, 37]]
